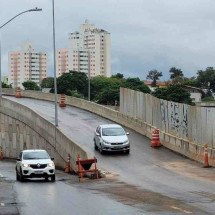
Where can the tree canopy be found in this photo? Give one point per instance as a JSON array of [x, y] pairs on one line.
[[47, 82], [136, 84], [73, 81], [118, 75], [105, 90], [206, 79], [4, 85], [174, 73], [175, 93], [30, 85], [154, 75]]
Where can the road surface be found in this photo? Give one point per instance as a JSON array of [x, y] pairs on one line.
[[154, 181]]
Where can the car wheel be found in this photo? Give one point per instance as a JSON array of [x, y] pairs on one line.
[[95, 146], [53, 178], [21, 178], [17, 176], [46, 178], [127, 151], [100, 150]]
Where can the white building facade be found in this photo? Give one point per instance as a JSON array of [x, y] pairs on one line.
[[89, 50], [26, 65]]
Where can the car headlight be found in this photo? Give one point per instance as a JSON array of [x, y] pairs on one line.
[[25, 165], [127, 141], [51, 164], [105, 142]]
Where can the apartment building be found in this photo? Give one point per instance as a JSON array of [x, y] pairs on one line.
[[62, 64], [26, 64], [89, 50]]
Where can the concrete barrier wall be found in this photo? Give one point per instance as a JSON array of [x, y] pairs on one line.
[[143, 113], [21, 128], [183, 128]]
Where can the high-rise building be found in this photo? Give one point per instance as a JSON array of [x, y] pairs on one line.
[[62, 61], [26, 65], [89, 50]]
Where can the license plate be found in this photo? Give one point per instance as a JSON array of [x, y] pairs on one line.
[[117, 147], [38, 172]]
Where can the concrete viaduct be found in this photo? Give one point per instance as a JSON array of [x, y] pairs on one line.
[[22, 128]]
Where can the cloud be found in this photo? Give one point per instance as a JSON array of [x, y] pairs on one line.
[[145, 34]]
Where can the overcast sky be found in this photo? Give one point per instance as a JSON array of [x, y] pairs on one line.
[[145, 34]]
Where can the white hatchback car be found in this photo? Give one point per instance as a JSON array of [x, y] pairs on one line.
[[111, 137], [35, 163]]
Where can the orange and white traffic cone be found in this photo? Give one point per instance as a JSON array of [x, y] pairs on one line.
[[67, 168], [206, 163], [18, 92], [62, 100], [1, 154], [80, 169], [155, 140]]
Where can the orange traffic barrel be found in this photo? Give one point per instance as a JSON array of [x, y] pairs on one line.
[[18, 92], [206, 162], [62, 100], [155, 140]]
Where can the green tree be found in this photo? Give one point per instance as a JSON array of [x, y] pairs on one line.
[[47, 82], [191, 82], [108, 96], [105, 90], [174, 72], [75, 93], [175, 93], [30, 85], [206, 79], [73, 81], [154, 75], [136, 84], [4, 85], [118, 75]]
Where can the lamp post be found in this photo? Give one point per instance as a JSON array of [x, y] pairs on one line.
[[54, 54], [89, 75], [31, 10]]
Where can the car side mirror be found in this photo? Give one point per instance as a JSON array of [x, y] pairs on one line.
[[18, 159], [52, 159], [127, 133]]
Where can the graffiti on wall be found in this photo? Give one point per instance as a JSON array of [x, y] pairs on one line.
[[175, 116]]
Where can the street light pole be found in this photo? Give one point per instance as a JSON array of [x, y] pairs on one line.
[[89, 75], [54, 54], [31, 10]]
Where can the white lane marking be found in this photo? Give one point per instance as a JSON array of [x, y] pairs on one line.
[[2, 204], [182, 210]]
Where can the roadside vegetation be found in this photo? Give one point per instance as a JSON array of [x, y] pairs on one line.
[[104, 90]]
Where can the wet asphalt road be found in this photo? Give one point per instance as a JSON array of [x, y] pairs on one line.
[[179, 185]]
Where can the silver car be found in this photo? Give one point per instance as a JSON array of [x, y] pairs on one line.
[[111, 137], [35, 163]]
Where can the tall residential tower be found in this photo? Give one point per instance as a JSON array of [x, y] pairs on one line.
[[89, 50], [25, 65]]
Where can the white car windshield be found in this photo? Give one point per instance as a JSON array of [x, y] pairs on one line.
[[113, 132], [35, 155]]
